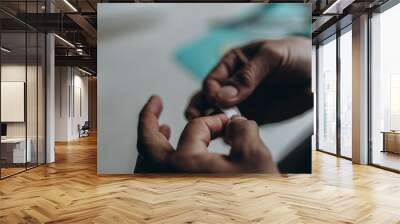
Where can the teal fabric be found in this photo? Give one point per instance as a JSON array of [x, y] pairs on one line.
[[271, 21]]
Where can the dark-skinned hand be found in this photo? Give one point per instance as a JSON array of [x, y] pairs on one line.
[[248, 153], [269, 81]]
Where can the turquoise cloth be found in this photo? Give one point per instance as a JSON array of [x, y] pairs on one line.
[[271, 21]]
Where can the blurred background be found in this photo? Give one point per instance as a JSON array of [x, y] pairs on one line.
[[250, 24], [52, 45]]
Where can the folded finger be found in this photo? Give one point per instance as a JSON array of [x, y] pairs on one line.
[[199, 132], [198, 106]]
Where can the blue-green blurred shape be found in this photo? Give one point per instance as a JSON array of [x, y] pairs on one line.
[[271, 21]]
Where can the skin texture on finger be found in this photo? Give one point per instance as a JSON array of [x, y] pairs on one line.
[[153, 139], [297, 58], [257, 66], [205, 99], [241, 133], [206, 162], [286, 90], [198, 106], [282, 93], [158, 156], [194, 108], [198, 133], [220, 74], [239, 72], [248, 151]]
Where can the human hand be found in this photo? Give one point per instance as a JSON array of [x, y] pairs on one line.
[[153, 140], [268, 80], [248, 152]]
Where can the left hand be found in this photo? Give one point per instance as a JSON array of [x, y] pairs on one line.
[[269, 81]]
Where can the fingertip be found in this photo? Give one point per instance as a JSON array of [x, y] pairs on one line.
[[155, 99], [224, 99], [238, 117], [235, 118], [227, 92], [154, 105], [224, 118]]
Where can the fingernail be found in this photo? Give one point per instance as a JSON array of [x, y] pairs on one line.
[[236, 116], [227, 92]]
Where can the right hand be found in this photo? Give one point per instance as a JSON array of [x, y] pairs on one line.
[[248, 153], [157, 155], [268, 80]]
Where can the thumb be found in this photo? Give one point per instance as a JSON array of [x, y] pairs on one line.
[[243, 137], [247, 149]]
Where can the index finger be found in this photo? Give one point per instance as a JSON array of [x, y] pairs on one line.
[[198, 106], [220, 74], [199, 132]]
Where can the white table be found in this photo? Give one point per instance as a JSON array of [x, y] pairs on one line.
[[20, 155]]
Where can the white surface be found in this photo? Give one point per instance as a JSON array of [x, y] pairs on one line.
[[19, 155], [12, 101], [50, 93], [12, 140], [71, 98], [136, 44], [81, 102], [360, 90]]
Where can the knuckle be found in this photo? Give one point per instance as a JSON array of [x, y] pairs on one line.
[[247, 76], [195, 122], [184, 161], [272, 49], [247, 132], [268, 45], [252, 124], [228, 58]]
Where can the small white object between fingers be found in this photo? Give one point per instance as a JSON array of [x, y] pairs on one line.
[[229, 112]]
